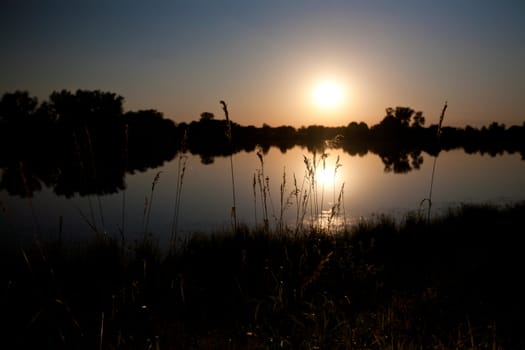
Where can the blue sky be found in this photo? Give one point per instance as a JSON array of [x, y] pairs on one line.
[[264, 57]]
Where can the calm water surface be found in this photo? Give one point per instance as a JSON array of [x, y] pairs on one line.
[[206, 194]]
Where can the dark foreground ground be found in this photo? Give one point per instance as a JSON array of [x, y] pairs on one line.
[[453, 283]]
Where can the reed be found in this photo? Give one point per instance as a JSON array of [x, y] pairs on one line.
[[233, 213], [438, 134], [337, 165], [125, 154], [297, 195], [254, 192], [310, 198], [94, 175], [335, 210], [283, 203], [88, 170], [324, 156], [302, 195], [264, 190], [313, 195], [181, 170], [92, 223], [29, 196], [286, 201], [148, 204], [340, 202], [307, 195]]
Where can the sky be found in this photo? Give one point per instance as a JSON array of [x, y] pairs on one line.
[[264, 58]]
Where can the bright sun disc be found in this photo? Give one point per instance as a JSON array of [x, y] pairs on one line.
[[325, 177], [328, 94]]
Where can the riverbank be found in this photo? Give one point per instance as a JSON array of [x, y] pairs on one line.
[[454, 282]]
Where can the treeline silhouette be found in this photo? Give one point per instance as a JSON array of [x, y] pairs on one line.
[[84, 143]]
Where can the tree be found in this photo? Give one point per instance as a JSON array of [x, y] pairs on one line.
[[17, 107], [85, 106], [404, 114], [207, 116], [418, 120]]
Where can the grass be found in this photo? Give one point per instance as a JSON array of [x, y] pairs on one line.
[[451, 283], [429, 198], [233, 212], [181, 170]]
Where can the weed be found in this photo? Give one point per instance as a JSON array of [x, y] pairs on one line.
[[233, 213], [148, 204], [429, 199], [181, 170]]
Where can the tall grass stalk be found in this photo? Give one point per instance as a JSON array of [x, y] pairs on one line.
[[101, 334], [429, 199], [144, 212], [343, 205], [149, 203], [312, 198], [263, 189], [229, 136], [303, 197], [267, 185], [310, 178], [297, 194], [254, 188], [82, 166], [324, 155], [314, 186], [122, 229], [90, 223], [181, 170], [125, 163], [307, 195], [336, 204], [335, 211], [336, 166], [94, 175], [285, 202], [29, 196], [282, 189]]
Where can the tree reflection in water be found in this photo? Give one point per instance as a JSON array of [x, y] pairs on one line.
[[83, 143]]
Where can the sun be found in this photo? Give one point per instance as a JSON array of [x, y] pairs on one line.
[[325, 176], [328, 94]]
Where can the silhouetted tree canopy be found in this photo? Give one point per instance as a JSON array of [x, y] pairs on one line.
[[17, 107], [84, 143], [207, 116], [85, 107]]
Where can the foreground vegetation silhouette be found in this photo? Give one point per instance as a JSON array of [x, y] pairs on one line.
[[84, 143], [452, 283]]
